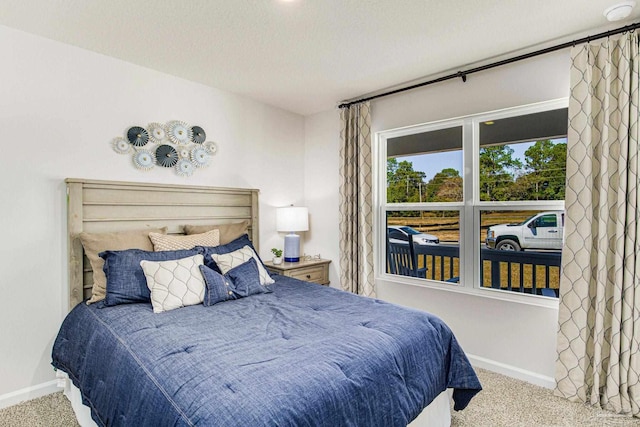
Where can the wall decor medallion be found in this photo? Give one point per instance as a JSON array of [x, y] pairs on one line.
[[179, 132], [121, 145], [157, 131], [166, 156], [185, 167], [143, 159], [174, 144], [184, 153], [138, 136], [211, 147], [200, 157], [198, 135]]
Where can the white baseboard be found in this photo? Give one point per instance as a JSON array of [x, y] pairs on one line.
[[512, 371], [33, 392]]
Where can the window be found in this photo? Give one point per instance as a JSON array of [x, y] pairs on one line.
[[434, 236], [476, 202], [433, 229], [410, 175]]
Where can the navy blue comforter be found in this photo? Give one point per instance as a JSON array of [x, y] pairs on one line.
[[304, 355]]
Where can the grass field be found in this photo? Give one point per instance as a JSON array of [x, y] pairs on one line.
[[447, 229]]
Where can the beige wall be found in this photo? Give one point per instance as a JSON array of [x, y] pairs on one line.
[[518, 338], [510, 337], [322, 148], [60, 106]]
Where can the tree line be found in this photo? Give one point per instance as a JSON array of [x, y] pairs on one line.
[[541, 176]]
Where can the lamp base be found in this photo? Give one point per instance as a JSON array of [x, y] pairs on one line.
[[292, 248]]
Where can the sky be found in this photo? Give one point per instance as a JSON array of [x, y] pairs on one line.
[[433, 163]]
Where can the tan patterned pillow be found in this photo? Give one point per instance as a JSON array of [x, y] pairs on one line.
[[233, 259], [164, 242], [175, 283], [94, 243], [228, 232]]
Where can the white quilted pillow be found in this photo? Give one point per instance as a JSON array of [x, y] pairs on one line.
[[175, 283], [166, 242], [233, 259]]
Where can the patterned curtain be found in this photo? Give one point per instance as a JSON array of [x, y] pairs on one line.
[[356, 246], [599, 318]]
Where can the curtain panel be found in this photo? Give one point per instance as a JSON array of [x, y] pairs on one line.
[[356, 199], [599, 313]]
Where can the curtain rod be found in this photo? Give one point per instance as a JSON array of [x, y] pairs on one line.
[[463, 74]]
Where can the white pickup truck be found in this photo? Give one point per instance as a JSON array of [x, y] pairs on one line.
[[541, 231]]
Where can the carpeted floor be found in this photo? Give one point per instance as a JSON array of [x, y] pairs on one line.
[[52, 410], [503, 402]]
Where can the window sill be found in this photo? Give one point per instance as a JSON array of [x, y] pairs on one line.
[[494, 294]]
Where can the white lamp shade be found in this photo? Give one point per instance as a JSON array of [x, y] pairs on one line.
[[292, 218]]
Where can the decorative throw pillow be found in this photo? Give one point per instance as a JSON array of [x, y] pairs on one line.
[[94, 243], [234, 245], [246, 279], [126, 282], [164, 242], [228, 232], [218, 287], [226, 262], [174, 283]]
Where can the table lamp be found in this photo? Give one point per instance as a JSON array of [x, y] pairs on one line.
[[291, 219]]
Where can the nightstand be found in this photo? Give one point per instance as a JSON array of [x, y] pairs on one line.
[[314, 270]]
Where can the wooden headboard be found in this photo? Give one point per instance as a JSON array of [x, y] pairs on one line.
[[108, 206]]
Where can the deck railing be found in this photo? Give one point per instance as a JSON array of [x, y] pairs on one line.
[[529, 272], [442, 261], [522, 271]]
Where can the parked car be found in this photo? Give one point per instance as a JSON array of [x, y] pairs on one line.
[[401, 233], [541, 231]]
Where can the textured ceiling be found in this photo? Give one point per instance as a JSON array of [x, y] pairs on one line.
[[305, 55]]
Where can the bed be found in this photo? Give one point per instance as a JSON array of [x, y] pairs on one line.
[[296, 354]]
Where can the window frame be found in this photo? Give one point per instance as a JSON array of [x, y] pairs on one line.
[[469, 209]]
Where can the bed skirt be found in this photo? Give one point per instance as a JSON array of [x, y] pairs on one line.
[[437, 414], [83, 413]]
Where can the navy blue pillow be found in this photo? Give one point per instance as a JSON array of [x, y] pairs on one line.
[[218, 287], [234, 245], [126, 282], [246, 279]]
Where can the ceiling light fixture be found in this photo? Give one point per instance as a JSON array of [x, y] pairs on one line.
[[619, 11]]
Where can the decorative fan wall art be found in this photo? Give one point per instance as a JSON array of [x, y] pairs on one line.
[[143, 159], [138, 136], [121, 146], [200, 157], [179, 132], [174, 144], [211, 147], [184, 153], [166, 156], [198, 135], [157, 131], [185, 168]]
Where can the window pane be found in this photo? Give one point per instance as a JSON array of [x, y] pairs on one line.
[[524, 157], [521, 251], [435, 252], [517, 159], [425, 167]]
